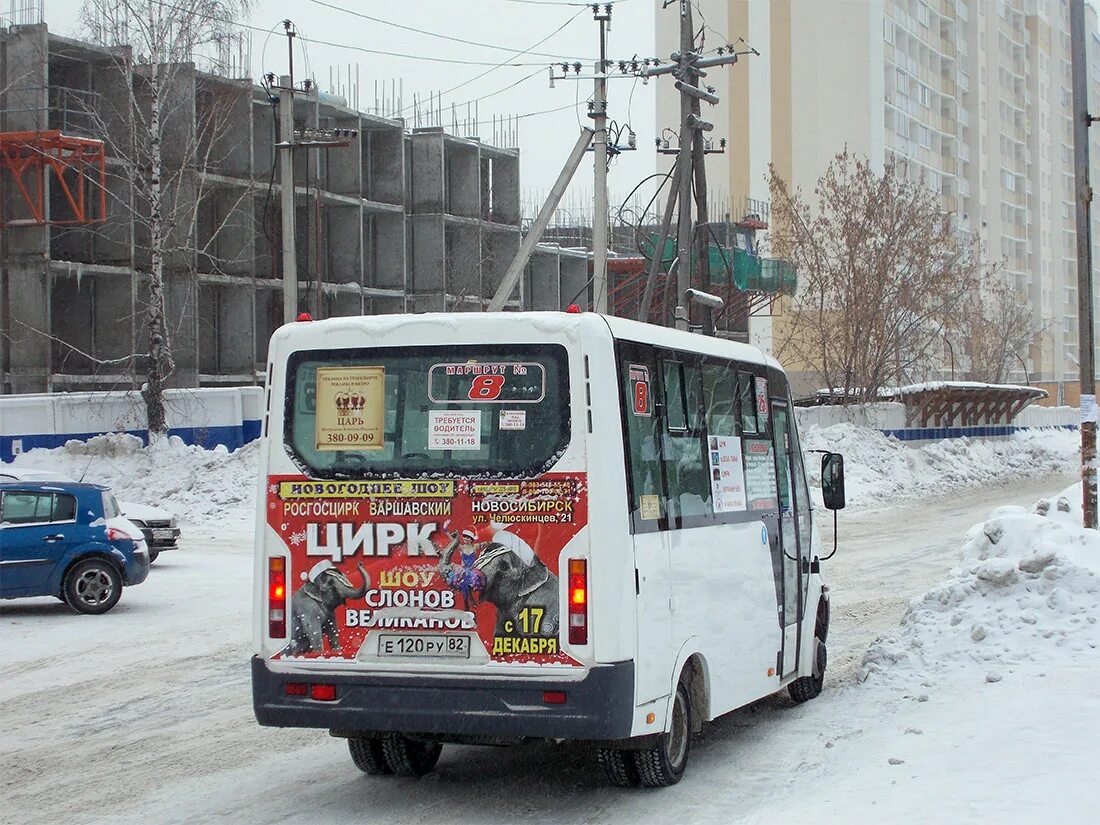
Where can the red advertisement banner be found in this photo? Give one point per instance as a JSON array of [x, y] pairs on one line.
[[413, 570]]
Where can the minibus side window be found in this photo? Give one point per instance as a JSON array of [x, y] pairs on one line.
[[746, 399], [675, 400], [687, 470], [720, 398], [642, 426]]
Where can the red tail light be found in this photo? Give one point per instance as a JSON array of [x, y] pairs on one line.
[[276, 598], [114, 534], [322, 693], [578, 602], [553, 697], [296, 689]]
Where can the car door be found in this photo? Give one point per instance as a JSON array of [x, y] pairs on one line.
[[36, 533]]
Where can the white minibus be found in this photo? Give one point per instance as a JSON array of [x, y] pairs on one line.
[[493, 528]]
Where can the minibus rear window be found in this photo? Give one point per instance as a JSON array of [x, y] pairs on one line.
[[481, 410]]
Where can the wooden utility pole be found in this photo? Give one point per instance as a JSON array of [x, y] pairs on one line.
[[1085, 322], [687, 66]]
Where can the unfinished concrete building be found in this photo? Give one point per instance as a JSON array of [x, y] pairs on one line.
[[397, 221]]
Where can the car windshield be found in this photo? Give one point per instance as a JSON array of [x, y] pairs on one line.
[[428, 411]]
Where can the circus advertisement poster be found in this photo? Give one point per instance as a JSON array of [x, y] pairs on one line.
[[411, 570]]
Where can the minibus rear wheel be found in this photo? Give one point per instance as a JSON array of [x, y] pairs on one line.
[[664, 763], [367, 755], [409, 757], [619, 767]]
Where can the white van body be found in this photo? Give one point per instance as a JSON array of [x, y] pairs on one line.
[[653, 481]]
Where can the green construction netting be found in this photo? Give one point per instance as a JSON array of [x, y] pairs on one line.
[[750, 272]]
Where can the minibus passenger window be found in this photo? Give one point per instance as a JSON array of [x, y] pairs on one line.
[[720, 392], [675, 403], [746, 396]]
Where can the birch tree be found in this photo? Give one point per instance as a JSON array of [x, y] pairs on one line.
[[881, 270], [156, 44], [996, 329]]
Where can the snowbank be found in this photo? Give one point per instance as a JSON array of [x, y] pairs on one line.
[[197, 485], [1027, 592], [879, 469]]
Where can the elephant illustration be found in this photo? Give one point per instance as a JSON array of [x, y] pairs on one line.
[[512, 583], [314, 605]]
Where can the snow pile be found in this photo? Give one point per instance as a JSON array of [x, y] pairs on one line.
[[195, 484], [880, 469], [1027, 591]]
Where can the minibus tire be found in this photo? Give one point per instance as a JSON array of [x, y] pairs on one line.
[[619, 767], [664, 763], [805, 688], [368, 757], [409, 757]]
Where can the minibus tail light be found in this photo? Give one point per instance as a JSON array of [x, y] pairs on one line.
[[276, 598], [578, 602]]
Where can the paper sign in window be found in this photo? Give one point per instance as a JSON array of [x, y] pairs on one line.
[[351, 408], [454, 429], [513, 420], [727, 474]]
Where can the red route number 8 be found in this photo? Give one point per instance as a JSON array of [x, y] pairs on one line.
[[641, 398], [486, 387]]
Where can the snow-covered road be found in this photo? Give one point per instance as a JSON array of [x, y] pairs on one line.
[[144, 716]]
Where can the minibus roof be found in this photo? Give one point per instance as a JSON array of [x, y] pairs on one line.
[[307, 334]]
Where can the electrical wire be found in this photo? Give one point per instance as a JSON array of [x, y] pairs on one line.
[[501, 65], [347, 46], [451, 37]]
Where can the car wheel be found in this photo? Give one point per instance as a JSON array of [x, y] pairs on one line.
[[153, 553], [664, 763], [92, 586], [409, 757], [367, 756]]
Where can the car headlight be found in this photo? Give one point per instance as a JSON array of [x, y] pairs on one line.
[[172, 523], [138, 523]]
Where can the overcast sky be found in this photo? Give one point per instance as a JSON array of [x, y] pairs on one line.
[[516, 25]]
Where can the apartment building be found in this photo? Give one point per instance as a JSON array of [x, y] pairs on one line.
[[397, 220], [972, 95]]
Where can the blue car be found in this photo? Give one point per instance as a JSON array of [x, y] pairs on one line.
[[67, 540]]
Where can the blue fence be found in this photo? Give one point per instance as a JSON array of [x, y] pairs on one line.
[[226, 416]]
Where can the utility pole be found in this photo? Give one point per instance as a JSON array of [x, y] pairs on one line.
[[289, 140], [687, 65], [1085, 323], [603, 150], [600, 211], [286, 183]]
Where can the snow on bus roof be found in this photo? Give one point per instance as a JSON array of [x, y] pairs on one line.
[[522, 325]]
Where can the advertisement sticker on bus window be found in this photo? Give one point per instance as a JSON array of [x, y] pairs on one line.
[[350, 405], [513, 420], [641, 402], [727, 473], [762, 398], [415, 570], [649, 507], [760, 488], [512, 382], [454, 429]]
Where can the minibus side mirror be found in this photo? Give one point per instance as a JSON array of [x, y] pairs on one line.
[[832, 480]]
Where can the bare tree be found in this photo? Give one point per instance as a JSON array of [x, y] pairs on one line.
[[881, 269], [169, 133], [996, 329]]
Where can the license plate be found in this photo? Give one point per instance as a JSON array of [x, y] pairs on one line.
[[434, 647], [164, 534]]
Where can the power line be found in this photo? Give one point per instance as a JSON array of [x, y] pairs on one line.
[[501, 65], [349, 47], [449, 37]]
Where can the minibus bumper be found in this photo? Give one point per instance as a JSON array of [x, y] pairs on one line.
[[599, 707]]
